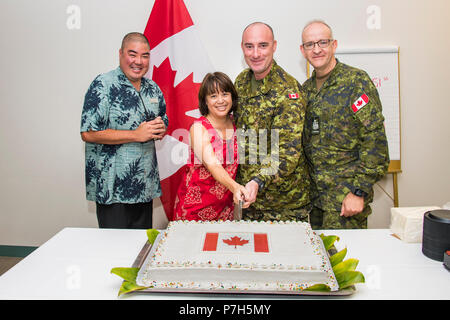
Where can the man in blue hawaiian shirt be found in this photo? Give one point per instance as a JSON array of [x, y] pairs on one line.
[[123, 114]]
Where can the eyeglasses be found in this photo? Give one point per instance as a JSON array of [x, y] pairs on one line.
[[322, 43]]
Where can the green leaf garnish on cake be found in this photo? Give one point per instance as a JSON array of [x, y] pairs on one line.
[[344, 270], [151, 235], [338, 257], [328, 241], [349, 278], [319, 287], [129, 275]]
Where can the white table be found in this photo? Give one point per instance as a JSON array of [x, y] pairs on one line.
[[76, 264]]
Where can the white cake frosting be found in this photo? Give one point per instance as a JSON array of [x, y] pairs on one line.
[[242, 255]]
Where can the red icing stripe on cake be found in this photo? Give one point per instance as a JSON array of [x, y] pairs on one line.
[[210, 243], [261, 243]]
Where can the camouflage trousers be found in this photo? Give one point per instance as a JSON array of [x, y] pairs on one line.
[[298, 214], [323, 219]]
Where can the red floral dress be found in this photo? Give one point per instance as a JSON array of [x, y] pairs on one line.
[[200, 196]]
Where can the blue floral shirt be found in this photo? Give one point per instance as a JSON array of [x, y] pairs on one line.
[[123, 173]]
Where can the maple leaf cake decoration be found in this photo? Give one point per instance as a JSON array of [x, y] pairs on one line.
[[236, 241]]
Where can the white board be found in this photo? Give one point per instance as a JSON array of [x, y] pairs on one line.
[[382, 66]]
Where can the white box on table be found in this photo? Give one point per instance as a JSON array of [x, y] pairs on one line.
[[407, 222]]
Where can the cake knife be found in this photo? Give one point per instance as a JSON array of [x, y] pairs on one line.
[[239, 211]]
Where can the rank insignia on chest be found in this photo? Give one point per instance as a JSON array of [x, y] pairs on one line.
[[293, 95], [361, 102], [315, 128]]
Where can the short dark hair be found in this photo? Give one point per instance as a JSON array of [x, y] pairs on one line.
[[212, 83], [134, 36]]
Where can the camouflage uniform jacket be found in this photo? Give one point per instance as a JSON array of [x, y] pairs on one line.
[[344, 138], [276, 107]]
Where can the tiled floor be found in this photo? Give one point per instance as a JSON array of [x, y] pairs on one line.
[[7, 263]]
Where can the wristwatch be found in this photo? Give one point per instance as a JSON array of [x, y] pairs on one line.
[[259, 182], [359, 193]]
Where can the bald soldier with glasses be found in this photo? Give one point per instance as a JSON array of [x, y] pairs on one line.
[[344, 137]]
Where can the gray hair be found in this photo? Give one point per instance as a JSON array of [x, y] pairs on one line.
[[318, 21]]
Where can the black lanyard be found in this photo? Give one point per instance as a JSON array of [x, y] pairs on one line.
[[148, 115]]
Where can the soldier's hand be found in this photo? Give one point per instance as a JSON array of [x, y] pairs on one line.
[[352, 205], [252, 188]]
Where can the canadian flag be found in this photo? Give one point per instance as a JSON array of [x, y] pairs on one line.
[[361, 102], [293, 95], [178, 63], [236, 242]]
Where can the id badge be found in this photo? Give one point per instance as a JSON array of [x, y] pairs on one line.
[[315, 128]]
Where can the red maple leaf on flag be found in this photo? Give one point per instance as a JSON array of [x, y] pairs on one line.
[[359, 103], [178, 64], [235, 241], [179, 99]]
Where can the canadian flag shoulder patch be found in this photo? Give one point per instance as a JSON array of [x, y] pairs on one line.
[[293, 95], [360, 102]]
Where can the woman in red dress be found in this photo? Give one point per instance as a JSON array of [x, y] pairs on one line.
[[208, 190]]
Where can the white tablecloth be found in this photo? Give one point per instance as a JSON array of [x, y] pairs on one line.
[[76, 264]]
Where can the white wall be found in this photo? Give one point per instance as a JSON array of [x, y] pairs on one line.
[[46, 69]]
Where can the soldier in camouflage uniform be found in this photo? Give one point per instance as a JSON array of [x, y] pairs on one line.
[[344, 136], [272, 108]]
